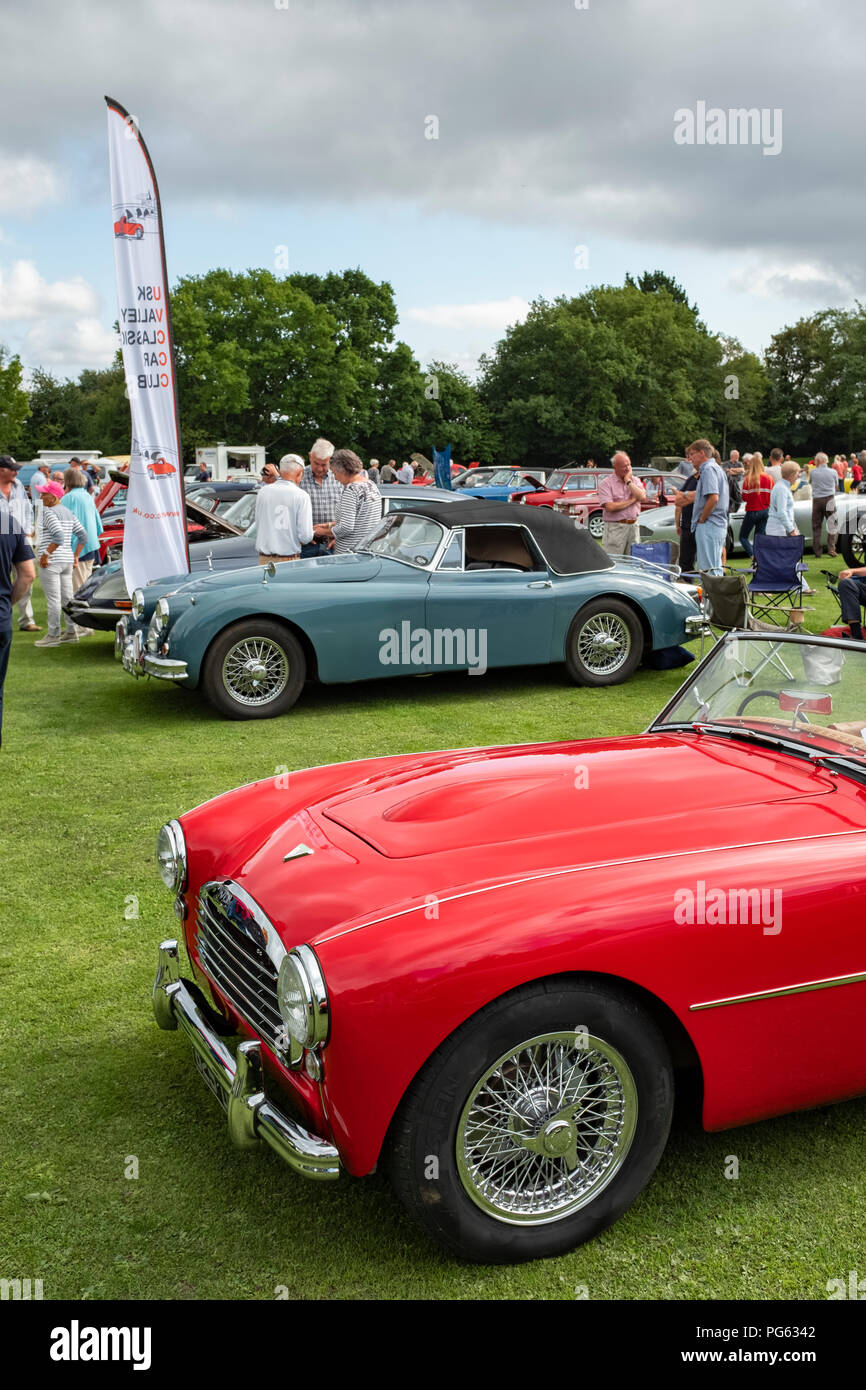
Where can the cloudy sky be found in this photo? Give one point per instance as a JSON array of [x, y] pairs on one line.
[[476, 153]]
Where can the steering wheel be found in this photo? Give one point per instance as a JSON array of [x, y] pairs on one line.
[[756, 695]]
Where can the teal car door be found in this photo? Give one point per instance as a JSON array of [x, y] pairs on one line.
[[496, 613]]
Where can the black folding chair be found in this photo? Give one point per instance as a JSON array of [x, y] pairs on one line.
[[725, 605], [777, 581]]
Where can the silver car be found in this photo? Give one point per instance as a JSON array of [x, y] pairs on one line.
[[660, 524]]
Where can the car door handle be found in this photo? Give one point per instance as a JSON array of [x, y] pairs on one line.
[[540, 584]]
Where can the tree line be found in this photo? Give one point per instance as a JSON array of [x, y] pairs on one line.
[[278, 360]]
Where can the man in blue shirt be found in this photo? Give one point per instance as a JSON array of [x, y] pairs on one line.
[[710, 507], [14, 551]]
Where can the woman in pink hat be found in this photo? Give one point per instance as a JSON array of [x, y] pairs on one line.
[[56, 558]]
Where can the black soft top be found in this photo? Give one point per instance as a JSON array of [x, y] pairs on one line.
[[567, 549]]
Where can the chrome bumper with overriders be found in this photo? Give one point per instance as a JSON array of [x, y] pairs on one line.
[[135, 658], [237, 1082]]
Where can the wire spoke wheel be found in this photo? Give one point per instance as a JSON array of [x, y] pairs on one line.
[[255, 671], [546, 1128], [604, 643]]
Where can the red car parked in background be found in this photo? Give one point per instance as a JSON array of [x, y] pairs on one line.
[[575, 492]]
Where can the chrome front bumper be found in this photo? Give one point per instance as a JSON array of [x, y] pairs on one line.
[[237, 1082], [131, 652]]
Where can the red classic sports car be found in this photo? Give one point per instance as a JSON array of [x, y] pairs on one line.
[[160, 468], [576, 494], [125, 228], [500, 1017]]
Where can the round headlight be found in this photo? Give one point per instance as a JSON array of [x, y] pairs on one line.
[[162, 613], [138, 603], [171, 856], [303, 998]]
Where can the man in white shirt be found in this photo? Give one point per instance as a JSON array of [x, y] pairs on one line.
[[405, 474], [39, 479], [13, 496], [284, 515]]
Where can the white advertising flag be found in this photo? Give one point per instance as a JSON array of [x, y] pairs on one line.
[[154, 532]]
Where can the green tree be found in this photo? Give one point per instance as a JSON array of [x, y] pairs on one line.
[[56, 419], [258, 362], [617, 367], [738, 414], [384, 409], [14, 404], [842, 416], [802, 389], [452, 413]]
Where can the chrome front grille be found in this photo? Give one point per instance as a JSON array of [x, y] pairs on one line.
[[241, 950]]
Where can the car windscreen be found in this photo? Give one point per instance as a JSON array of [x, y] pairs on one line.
[[241, 513], [812, 694], [412, 539]]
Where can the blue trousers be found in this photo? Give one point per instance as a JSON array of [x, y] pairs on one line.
[[5, 644], [710, 542], [852, 593], [753, 521]]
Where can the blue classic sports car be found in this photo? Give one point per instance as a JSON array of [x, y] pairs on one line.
[[464, 587]]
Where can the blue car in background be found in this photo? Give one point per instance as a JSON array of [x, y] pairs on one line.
[[506, 482], [468, 586]]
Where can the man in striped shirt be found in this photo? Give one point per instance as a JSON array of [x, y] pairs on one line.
[[324, 492], [56, 560]]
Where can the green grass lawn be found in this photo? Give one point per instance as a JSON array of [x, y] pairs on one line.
[[92, 764]]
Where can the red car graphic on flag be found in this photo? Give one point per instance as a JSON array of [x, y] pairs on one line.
[[125, 228], [160, 468]]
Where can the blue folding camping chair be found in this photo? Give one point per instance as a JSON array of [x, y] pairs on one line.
[[777, 578]]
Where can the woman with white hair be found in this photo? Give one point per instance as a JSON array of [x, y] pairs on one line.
[[360, 505], [56, 558]]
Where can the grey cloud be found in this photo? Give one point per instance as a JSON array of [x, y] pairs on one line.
[[546, 113]]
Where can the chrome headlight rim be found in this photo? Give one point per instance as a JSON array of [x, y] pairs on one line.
[[171, 835], [138, 603], [161, 614], [302, 967]]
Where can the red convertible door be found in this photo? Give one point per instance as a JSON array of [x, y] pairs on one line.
[[777, 1013]]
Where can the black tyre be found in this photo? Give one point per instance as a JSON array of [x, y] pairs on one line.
[[255, 669], [605, 643], [595, 526], [536, 1125], [852, 542]]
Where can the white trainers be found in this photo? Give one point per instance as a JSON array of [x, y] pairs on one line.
[[84, 631], [48, 641], [70, 636]]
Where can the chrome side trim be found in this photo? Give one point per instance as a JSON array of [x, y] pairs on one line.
[[237, 1083], [833, 982]]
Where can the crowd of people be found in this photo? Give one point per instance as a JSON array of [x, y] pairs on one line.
[[331, 504], [60, 526], [715, 489]]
